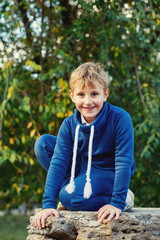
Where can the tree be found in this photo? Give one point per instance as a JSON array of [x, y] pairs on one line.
[[41, 43]]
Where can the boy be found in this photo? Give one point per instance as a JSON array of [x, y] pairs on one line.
[[93, 153]]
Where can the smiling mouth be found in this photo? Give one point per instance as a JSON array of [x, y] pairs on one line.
[[88, 108]]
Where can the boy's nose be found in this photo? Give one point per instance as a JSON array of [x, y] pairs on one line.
[[88, 100]]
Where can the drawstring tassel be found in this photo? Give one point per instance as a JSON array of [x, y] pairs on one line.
[[71, 186], [88, 188]]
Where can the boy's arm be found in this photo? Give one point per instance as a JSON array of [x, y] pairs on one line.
[[56, 172], [124, 160], [58, 166]]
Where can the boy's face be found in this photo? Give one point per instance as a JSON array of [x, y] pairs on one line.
[[89, 100]]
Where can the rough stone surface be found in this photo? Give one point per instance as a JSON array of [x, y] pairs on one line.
[[140, 224]]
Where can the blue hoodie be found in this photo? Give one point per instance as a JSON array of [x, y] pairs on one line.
[[112, 157]]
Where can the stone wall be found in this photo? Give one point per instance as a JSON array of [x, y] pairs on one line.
[[140, 224]]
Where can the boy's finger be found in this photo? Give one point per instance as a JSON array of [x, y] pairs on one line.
[[117, 215], [56, 213], [43, 221], [35, 220], [104, 215], [38, 222], [102, 211], [110, 216]]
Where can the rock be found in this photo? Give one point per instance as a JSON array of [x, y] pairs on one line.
[[140, 224], [150, 217]]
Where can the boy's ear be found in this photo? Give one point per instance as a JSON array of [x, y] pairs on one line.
[[71, 95], [106, 93]]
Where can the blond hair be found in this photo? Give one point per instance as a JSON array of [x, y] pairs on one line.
[[87, 74]]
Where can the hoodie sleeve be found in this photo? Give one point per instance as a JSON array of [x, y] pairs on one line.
[[124, 160], [58, 166]]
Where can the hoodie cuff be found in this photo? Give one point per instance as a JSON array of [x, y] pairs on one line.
[[46, 204]]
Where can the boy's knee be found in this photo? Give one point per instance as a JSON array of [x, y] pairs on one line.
[[45, 143], [40, 143]]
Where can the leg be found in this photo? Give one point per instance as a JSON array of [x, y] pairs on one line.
[[94, 203], [129, 201], [44, 149], [101, 196]]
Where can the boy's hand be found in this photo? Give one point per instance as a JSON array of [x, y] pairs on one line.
[[40, 218], [110, 211]]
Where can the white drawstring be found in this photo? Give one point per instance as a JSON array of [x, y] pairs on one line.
[[88, 188], [71, 187]]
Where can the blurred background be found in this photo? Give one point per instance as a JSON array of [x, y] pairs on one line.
[[41, 43]]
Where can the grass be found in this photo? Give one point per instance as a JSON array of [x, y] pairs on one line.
[[13, 227]]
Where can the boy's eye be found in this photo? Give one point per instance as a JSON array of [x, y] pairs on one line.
[[80, 94], [94, 94]]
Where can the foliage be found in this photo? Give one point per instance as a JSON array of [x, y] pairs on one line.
[[41, 43]]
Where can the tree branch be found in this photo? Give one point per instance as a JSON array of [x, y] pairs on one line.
[[41, 57], [26, 22], [66, 13], [139, 89], [3, 102]]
